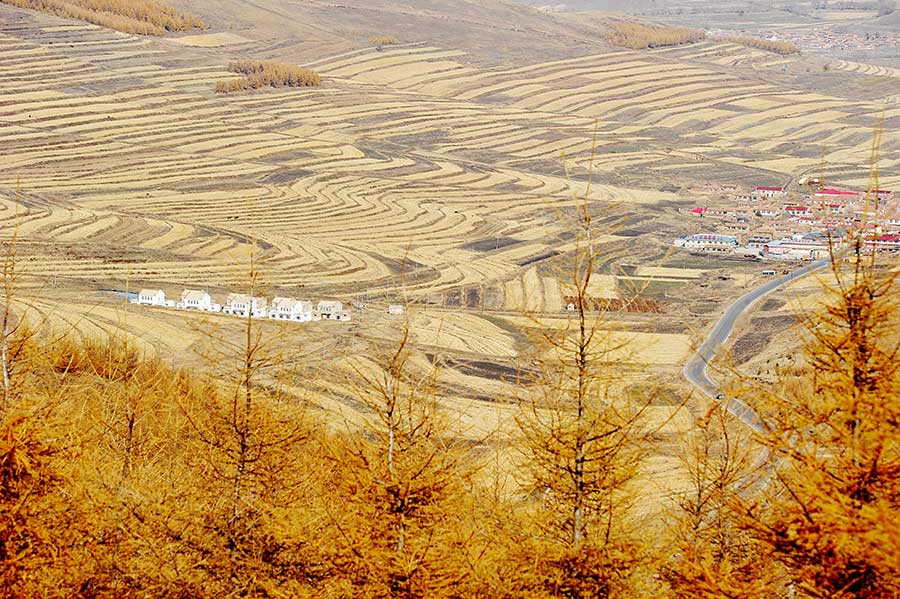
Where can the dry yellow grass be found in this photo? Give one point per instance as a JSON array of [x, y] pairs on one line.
[[461, 332], [210, 40], [143, 17]]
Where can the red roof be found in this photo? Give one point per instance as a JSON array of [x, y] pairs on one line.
[[797, 208], [881, 191], [835, 192], [891, 238], [766, 188], [698, 210]]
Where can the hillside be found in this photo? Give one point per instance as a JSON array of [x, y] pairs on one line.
[[493, 31], [414, 169]]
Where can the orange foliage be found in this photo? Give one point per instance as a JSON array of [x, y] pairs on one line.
[[637, 36], [142, 17], [783, 48], [259, 73], [383, 40], [829, 515]]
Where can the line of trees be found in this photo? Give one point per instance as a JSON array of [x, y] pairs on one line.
[[142, 17], [123, 477], [379, 41], [778, 47], [266, 73], [637, 36]]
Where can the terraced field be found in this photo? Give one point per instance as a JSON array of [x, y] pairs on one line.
[[417, 170]]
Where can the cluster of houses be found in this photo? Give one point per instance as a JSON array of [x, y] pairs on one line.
[[765, 223], [826, 38], [240, 304]]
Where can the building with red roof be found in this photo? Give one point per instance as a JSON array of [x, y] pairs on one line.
[[767, 191]]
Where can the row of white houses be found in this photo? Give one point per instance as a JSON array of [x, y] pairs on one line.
[[240, 304]]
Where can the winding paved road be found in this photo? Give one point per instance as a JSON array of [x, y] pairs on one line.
[[697, 365]]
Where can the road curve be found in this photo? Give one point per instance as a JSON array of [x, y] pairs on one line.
[[695, 370]]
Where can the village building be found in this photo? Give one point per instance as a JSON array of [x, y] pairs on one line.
[[893, 220], [758, 242], [197, 300], [768, 192], [836, 194], [288, 308], [885, 242], [736, 227], [150, 297], [798, 210], [768, 212], [395, 310], [708, 242], [811, 246], [241, 304], [331, 310]]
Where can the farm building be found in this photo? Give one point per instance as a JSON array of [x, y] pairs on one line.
[[241, 304], [150, 297], [811, 246], [197, 300], [288, 308], [708, 242], [768, 192]]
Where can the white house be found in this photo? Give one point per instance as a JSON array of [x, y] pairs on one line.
[[197, 300], [395, 309], [342, 315], [331, 310], [151, 297], [326, 307], [240, 304], [288, 308]]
